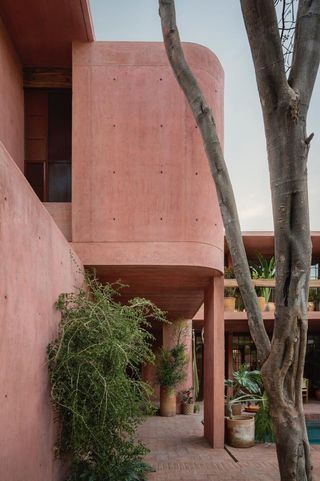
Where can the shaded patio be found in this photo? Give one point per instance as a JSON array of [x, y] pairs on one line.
[[179, 452]]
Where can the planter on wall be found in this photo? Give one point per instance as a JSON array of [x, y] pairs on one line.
[[229, 303], [240, 431], [311, 306], [168, 404], [270, 307], [262, 302]]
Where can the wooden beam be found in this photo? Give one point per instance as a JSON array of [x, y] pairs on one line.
[[47, 78], [266, 283]]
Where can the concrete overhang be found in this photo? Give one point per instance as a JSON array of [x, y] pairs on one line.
[[43, 31], [263, 241]]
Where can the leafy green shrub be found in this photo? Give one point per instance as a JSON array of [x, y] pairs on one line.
[[96, 389], [229, 274], [263, 422], [171, 366]]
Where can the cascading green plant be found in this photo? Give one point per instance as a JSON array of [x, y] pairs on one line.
[[96, 388]]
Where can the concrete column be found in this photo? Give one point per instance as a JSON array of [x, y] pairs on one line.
[[214, 363], [168, 333]]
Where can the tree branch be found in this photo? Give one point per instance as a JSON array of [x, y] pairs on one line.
[[306, 52], [205, 121], [265, 43]]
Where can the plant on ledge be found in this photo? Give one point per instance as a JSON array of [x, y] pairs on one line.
[[263, 269], [96, 389], [229, 292]]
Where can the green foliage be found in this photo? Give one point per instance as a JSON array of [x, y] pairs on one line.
[[96, 389], [246, 382], [195, 368], [229, 274], [246, 386], [263, 269], [197, 408], [171, 366], [263, 422]]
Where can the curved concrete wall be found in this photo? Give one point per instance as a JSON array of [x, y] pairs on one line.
[[142, 188], [11, 99], [37, 264]]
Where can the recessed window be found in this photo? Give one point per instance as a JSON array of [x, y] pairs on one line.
[[48, 143]]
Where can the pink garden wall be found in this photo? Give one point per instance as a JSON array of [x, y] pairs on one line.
[[37, 264], [11, 99]]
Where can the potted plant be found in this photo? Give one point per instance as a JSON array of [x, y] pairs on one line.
[[246, 388], [313, 299], [170, 371], [187, 400], [264, 269], [229, 292]]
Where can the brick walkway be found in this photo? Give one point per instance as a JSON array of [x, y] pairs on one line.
[[180, 453]]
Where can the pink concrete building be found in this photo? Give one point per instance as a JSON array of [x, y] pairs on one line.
[[102, 166]]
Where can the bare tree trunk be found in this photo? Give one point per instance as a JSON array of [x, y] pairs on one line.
[[285, 105]]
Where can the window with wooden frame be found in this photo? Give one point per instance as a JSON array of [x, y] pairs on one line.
[[48, 143]]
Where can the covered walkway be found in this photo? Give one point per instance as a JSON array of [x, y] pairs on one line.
[[179, 452]]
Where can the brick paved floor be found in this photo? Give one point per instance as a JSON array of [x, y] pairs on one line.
[[180, 453]]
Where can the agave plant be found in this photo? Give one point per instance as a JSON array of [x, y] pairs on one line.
[[263, 269]]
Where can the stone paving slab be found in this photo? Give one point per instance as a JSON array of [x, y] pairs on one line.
[[179, 452]]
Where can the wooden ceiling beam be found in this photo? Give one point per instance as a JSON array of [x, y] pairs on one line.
[[47, 78]]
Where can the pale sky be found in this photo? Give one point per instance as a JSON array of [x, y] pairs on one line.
[[219, 26]]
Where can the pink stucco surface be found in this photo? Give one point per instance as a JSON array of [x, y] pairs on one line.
[[141, 179], [61, 214], [37, 264], [11, 99]]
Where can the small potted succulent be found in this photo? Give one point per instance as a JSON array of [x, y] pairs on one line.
[[264, 269], [187, 401]]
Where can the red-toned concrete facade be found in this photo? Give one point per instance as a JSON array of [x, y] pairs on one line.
[[143, 209], [11, 99], [37, 264], [140, 203]]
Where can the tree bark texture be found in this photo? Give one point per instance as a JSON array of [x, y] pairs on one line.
[[284, 105]]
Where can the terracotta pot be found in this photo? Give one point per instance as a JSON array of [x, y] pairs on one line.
[[240, 431], [236, 409], [187, 408], [167, 402], [311, 306], [229, 303], [253, 408], [270, 307], [262, 303]]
